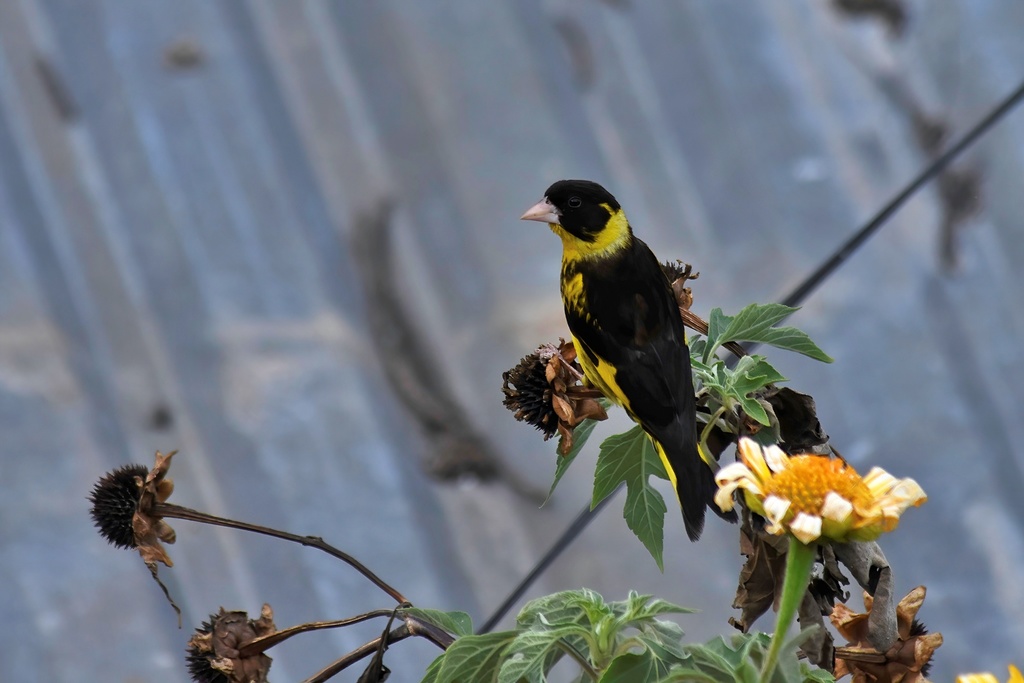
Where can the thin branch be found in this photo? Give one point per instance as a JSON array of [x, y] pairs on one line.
[[361, 652], [266, 642], [411, 626], [577, 657], [180, 512]]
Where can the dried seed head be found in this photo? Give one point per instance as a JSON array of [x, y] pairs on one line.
[[199, 655], [114, 500], [528, 394], [214, 652]]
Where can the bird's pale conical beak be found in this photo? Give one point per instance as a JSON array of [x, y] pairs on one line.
[[543, 211]]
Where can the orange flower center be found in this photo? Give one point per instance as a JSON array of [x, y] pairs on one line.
[[807, 479]]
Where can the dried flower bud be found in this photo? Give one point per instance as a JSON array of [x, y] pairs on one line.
[[909, 658], [546, 392], [214, 652], [528, 394], [114, 500]]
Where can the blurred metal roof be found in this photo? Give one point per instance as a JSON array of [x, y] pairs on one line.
[[181, 186]]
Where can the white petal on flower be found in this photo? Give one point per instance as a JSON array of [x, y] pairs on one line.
[[775, 458], [723, 497], [775, 509], [836, 508], [805, 527], [732, 472], [776, 529], [910, 492], [879, 482]]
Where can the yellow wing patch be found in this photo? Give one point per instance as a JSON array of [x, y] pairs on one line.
[[601, 374]]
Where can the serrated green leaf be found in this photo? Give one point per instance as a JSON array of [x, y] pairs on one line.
[[746, 672], [580, 435], [475, 658], [527, 655], [810, 674], [756, 323], [630, 457], [430, 675], [630, 668], [456, 623], [755, 410], [558, 609], [638, 608], [752, 373], [665, 652], [696, 345], [718, 322]]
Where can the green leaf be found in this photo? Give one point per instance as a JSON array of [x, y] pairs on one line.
[[430, 675], [643, 607], [717, 324], [580, 435], [631, 667], [756, 323], [558, 609], [630, 457], [475, 658], [752, 373], [665, 649], [456, 623], [527, 655]]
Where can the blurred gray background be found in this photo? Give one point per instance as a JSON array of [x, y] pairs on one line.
[[193, 256]]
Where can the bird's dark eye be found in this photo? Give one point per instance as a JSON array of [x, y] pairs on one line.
[[575, 202]]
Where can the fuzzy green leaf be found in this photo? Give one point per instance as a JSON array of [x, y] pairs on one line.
[[430, 675], [527, 655], [631, 667], [474, 658], [756, 323], [456, 623], [630, 457]]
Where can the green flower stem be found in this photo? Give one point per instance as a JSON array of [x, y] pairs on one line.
[[799, 561], [706, 432]]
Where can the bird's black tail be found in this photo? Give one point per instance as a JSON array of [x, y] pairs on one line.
[[694, 482]]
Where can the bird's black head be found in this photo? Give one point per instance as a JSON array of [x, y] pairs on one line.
[[581, 207]]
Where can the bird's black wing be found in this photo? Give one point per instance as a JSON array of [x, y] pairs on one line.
[[635, 326]]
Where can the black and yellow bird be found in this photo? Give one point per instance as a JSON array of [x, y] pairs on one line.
[[628, 333]]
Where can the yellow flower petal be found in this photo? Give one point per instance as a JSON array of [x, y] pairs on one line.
[[1015, 675], [976, 678], [806, 527], [752, 455]]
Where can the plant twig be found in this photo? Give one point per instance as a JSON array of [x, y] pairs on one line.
[[410, 627], [181, 512], [266, 642], [578, 658]]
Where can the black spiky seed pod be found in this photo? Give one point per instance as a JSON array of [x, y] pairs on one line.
[[528, 394], [199, 655], [114, 499]]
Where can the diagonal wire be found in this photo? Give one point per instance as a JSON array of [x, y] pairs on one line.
[[794, 298], [557, 548], [814, 280]]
